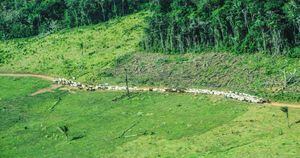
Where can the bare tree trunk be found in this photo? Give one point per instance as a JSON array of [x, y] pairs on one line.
[[245, 13], [102, 9], [126, 80]]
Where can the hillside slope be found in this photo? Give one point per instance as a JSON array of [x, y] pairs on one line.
[[100, 53], [80, 52], [256, 74]]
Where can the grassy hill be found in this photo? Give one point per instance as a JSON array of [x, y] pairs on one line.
[[80, 52], [100, 53], [161, 125]]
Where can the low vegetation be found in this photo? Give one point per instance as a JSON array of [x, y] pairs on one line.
[[15, 87], [89, 124], [273, 77], [79, 52]]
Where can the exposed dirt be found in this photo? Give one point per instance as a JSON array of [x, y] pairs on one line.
[[44, 90], [44, 77], [50, 89], [284, 104]]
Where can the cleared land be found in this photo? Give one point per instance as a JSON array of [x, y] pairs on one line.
[[79, 52], [148, 124], [83, 124], [99, 54]]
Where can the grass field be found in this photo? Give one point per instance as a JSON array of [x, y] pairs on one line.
[[165, 125]]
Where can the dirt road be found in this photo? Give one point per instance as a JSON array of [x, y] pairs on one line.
[[44, 77], [49, 78]]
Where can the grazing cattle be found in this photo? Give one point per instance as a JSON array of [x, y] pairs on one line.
[[230, 94]]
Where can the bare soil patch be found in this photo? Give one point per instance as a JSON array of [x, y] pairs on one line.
[[44, 90]]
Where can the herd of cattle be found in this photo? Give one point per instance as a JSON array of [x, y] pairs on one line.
[[232, 95]]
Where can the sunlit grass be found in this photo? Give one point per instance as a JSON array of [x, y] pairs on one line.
[[80, 52], [167, 125]]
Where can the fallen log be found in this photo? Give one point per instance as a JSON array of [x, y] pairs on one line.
[[56, 103], [126, 130]]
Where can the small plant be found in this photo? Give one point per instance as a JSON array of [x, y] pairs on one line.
[[286, 111], [81, 47]]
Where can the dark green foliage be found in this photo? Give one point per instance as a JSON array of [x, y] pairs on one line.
[[234, 25], [64, 130], [77, 137], [4, 56], [176, 25], [23, 18], [285, 110]]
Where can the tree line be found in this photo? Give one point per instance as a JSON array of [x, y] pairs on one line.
[[176, 26], [271, 26], [24, 18]]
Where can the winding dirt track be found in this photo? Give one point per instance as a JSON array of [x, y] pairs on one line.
[[44, 90], [49, 78], [44, 77], [284, 104]]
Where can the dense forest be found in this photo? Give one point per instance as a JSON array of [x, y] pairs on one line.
[[24, 18], [237, 25], [271, 26]]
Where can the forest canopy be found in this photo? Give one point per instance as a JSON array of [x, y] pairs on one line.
[[176, 26], [24, 18], [271, 26]]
